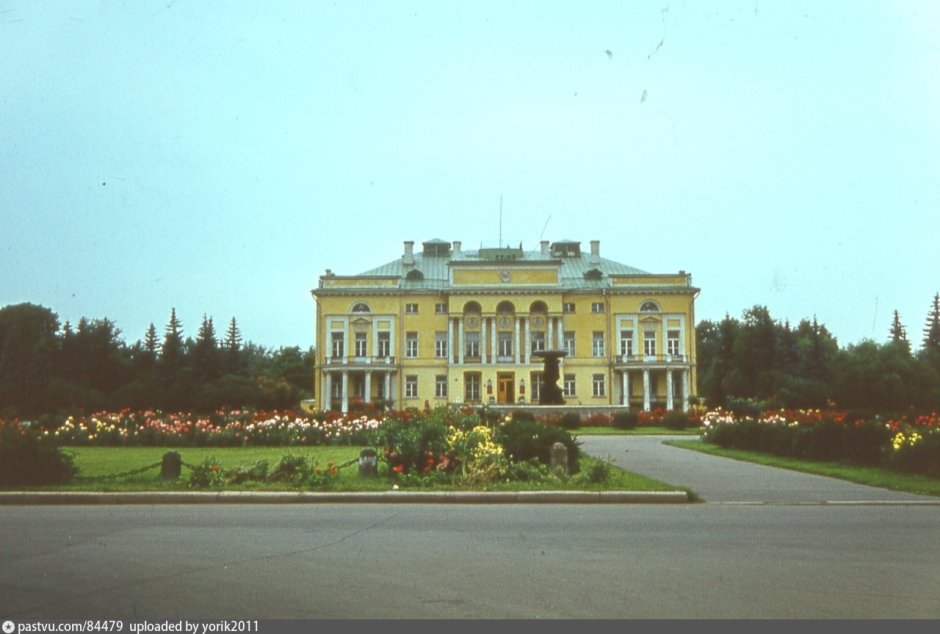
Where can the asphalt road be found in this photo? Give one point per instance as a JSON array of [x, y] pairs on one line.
[[761, 552]]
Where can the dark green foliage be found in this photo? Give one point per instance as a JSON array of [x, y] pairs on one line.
[[26, 459], [410, 444], [676, 420], [523, 440], [570, 420], [625, 420]]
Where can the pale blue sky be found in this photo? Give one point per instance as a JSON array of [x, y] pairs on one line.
[[218, 157]]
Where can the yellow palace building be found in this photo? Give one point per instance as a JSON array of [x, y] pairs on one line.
[[447, 325]]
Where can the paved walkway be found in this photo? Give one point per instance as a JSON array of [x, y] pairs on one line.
[[722, 480]]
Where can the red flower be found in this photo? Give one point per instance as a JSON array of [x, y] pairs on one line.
[[398, 468]]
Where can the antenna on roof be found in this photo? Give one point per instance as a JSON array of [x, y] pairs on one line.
[[544, 227], [500, 221]]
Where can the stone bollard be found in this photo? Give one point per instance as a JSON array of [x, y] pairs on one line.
[[558, 458], [172, 466], [368, 463]]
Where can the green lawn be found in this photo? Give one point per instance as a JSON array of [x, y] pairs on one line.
[[872, 476], [637, 431], [95, 464]]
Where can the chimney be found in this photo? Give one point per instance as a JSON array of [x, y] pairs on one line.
[[456, 253], [595, 251], [409, 256], [545, 252]]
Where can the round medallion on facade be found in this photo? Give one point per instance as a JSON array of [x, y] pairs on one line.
[[505, 321], [505, 276], [472, 322], [537, 321]]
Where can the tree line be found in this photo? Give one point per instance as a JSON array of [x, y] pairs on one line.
[[761, 361], [49, 368]]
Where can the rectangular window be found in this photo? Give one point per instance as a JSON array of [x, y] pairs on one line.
[[537, 380], [471, 343], [440, 386], [440, 345], [411, 309], [440, 309], [338, 343], [505, 345], [361, 344], [336, 389], [385, 344], [538, 341], [599, 385], [569, 342], [567, 307], [411, 345], [598, 344], [649, 343], [626, 343], [597, 307], [411, 386], [471, 382], [672, 342], [569, 385]]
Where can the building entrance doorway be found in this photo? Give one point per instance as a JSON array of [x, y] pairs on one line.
[[505, 392]]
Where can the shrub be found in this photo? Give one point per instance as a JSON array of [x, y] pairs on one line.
[[26, 459], [597, 420], [291, 468], [524, 440], [205, 475], [676, 420], [410, 444], [569, 420], [625, 420], [597, 471], [521, 414]]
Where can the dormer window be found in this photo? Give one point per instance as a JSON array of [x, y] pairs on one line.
[[593, 274], [414, 275]]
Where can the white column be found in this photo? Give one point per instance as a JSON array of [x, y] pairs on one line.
[[646, 389], [367, 393], [527, 350], [625, 385], [549, 333], [327, 396], [493, 342], [560, 334], [450, 341], [460, 341], [387, 394], [685, 390], [516, 343], [669, 403], [483, 355], [344, 407]]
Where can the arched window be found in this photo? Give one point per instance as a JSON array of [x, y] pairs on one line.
[[360, 307], [414, 275], [649, 307]]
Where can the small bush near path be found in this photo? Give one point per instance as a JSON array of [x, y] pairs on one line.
[[26, 460]]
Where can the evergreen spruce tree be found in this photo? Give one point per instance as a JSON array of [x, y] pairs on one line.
[[232, 349], [172, 352], [899, 333], [932, 328], [205, 353]]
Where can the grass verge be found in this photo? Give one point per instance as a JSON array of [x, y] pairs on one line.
[[872, 476], [96, 465], [636, 431]]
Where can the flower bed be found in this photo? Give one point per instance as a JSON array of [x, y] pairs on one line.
[[905, 444], [222, 429]]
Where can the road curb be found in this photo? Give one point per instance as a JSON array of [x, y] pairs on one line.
[[39, 498]]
